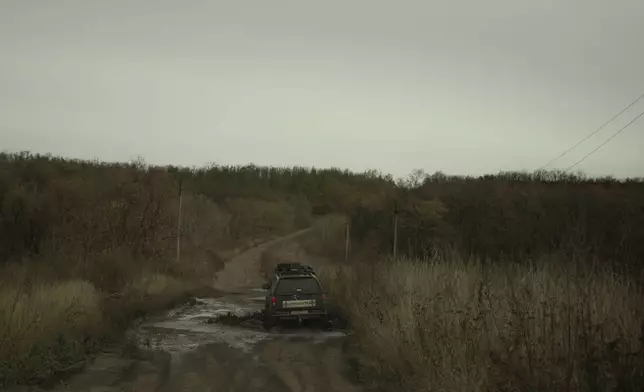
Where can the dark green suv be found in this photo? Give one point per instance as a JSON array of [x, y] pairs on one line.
[[294, 292]]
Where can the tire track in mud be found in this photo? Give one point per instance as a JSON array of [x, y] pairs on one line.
[[182, 351]]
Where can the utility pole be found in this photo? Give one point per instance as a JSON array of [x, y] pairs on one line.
[[179, 222], [347, 239], [395, 246]]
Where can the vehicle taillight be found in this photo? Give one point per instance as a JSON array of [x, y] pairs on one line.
[[273, 300]]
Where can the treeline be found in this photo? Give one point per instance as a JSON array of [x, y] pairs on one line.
[[490, 216], [508, 215], [325, 190], [109, 222], [513, 215]]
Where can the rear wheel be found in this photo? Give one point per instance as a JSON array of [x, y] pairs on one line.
[[326, 323], [269, 322]]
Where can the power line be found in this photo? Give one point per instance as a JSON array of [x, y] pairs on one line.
[[594, 132], [606, 141]]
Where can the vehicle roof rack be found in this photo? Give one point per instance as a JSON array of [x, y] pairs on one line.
[[293, 269]]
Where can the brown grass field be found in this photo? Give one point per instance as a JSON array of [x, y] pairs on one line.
[[449, 324]]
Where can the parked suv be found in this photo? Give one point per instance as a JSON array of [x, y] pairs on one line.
[[294, 292]]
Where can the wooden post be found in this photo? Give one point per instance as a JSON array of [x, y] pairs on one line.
[[179, 223], [347, 239], [395, 246]]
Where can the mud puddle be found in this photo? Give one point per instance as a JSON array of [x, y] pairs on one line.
[[190, 349], [234, 320]]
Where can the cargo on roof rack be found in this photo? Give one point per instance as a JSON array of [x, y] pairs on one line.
[[286, 266], [293, 268]]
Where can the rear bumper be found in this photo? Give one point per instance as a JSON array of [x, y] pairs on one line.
[[286, 315]]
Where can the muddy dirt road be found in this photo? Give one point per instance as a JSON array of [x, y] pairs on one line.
[[185, 351]]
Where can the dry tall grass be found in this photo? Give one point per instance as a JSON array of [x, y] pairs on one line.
[[44, 327], [455, 325]]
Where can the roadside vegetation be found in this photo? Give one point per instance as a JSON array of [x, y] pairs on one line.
[[86, 247], [514, 281], [452, 324], [509, 283]]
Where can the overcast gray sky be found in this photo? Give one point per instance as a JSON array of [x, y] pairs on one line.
[[466, 87]]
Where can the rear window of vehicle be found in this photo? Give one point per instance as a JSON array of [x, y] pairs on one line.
[[291, 285]]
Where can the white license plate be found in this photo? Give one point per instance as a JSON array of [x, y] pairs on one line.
[[300, 303]]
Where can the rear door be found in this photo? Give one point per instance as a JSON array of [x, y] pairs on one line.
[[298, 294]]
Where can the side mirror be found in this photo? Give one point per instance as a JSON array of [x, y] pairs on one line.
[[266, 286]]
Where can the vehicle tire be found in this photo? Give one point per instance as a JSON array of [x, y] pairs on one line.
[[327, 325], [269, 322]]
